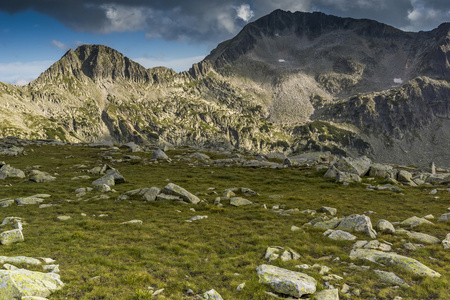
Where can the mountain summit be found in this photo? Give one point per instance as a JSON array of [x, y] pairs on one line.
[[290, 82]]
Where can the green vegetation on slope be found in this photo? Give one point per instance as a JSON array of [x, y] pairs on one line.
[[101, 259]]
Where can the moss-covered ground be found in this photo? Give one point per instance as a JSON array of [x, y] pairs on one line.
[[100, 258]]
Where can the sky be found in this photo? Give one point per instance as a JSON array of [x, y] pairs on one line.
[[173, 33]]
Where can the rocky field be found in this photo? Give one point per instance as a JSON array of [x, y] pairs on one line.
[[103, 221]]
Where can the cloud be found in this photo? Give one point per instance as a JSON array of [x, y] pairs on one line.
[[208, 21], [59, 45], [179, 65], [21, 73], [244, 12]]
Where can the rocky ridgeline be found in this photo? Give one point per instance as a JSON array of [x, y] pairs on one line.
[[287, 82], [281, 282]]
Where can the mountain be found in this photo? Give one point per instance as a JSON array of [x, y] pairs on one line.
[[288, 82]]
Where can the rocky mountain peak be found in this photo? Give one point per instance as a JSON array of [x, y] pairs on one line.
[[99, 63]]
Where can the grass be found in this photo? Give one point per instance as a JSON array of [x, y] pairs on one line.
[[101, 259]]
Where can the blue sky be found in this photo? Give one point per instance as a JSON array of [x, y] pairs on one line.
[[173, 33]]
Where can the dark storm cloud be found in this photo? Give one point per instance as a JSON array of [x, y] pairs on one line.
[[215, 20]]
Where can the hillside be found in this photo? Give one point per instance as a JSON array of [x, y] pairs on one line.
[[287, 82]]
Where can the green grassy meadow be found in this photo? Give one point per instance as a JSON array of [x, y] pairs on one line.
[[100, 258]]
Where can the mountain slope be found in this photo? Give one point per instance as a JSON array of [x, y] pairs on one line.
[[287, 82]]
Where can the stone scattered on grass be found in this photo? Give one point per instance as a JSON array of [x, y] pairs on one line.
[[211, 295], [328, 294], [196, 218], [390, 278], [40, 176], [16, 284], [159, 154], [173, 189], [239, 201], [275, 252], [389, 258], [330, 210], [286, 282], [423, 237], [415, 221], [446, 242], [64, 218], [133, 222], [357, 223], [11, 236], [339, 235], [385, 226]]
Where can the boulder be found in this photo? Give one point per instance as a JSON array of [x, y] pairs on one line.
[[212, 295], [286, 282], [159, 154], [359, 166], [329, 294], [357, 223], [332, 172], [132, 147], [383, 171], [385, 226], [405, 177], [173, 189], [29, 200], [40, 176], [345, 177], [444, 218], [423, 237], [11, 237], [339, 235], [415, 221], [329, 210], [104, 180], [11, 150], [446, 242], [248, 192], [20, 260], [239, 201], [102, 188], [329, 224], [9, 171], [6, 202], [389, 258], [199, 156], [390, 278], [19, 283]]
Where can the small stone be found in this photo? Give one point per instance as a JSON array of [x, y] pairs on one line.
[[133, 222], [295, 228], [212, 295], [64, 218], [240, 287], [196, 218]]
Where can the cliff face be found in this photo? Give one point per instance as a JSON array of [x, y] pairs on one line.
[[287, 82]]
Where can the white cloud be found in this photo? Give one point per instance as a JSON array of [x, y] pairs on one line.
[[178, 64], [244, 12], [21, 73], [122, 18], [59, 45]]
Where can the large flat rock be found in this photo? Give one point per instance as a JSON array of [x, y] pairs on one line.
[[286, 282]]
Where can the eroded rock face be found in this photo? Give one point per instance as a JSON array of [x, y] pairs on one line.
[[286, 282], [389, 258]]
